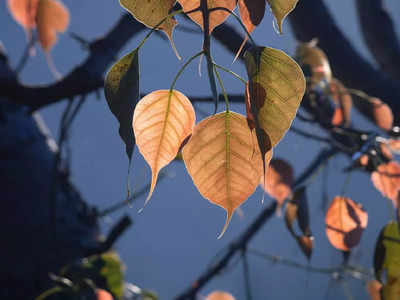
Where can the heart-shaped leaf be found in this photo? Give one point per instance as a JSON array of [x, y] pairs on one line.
[[121, 89], [219, 295], [276, 87], [345, 221], [161, 122], [216, 17], [52, 18], [223, 160], [281, 8], [151, 13]]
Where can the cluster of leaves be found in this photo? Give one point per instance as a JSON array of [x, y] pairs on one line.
[[225, 154], [49, 17]]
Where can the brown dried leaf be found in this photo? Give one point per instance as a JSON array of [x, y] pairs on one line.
[[386, 179], [223, 160], [345, 221], [216, 17], [219, 295], [52, 17], [161, 122]]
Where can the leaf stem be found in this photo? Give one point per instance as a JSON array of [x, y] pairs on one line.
[[237, 19], [222, 89], [231, 72], [183, 68]]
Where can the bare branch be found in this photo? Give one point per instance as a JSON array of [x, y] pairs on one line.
[[379, 34], [85, 78]]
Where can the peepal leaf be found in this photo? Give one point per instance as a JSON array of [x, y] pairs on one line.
[[345, 221], [52, 18], [121, 89], [223, 161], [161, 122], [151, 13], [216, 17], [276, 87], [386, 179], [281, 8], [219, 295], [251, 14], [24, 12]]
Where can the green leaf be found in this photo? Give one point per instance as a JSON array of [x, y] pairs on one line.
[[105, 270], [122, 93], [151, 13], [276, 87], [281, 8], [274, 92]]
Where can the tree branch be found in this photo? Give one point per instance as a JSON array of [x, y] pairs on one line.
[[312, 19], [85, 78], [379, 34], [234, 247]]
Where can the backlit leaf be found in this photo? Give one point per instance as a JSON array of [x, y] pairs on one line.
[[52, 18], [281, 8], [216, 17], [386, 179], [219, 295], [121, 88], [24, 12], [279, 180], [379, 112], [151, 13], [373, 288], [276, 87], [345, 221], [312, 58], [223, 160], [251, 14], [161, 122], [103, 295]]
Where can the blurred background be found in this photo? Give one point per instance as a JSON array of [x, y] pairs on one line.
[[175, 237]]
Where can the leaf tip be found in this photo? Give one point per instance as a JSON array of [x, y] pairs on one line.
[[229, 214]]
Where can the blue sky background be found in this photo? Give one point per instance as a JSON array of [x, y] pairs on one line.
[[174, 238]]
